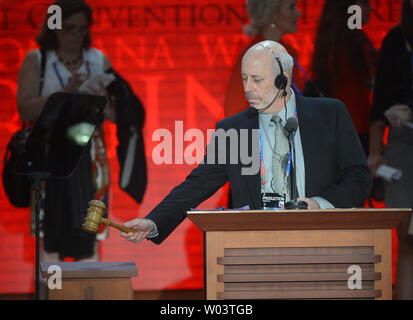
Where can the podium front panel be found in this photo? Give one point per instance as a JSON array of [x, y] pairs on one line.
[[304, 264]]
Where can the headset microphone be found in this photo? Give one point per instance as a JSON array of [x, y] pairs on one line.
[[268, 105], [290, 127]]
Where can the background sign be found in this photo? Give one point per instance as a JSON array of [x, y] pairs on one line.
[[177, 56]]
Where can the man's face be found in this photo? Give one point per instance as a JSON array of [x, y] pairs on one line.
[[258, 79]]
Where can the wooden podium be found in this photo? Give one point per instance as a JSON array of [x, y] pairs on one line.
[[91, 280], [298, 254]]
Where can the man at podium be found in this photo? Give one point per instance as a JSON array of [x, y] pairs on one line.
[[305, 150]]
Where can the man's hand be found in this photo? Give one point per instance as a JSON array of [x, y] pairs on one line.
[[398, 114], [143, 227], [312, 204]]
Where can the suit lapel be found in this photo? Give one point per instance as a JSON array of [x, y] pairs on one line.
[[310, 135]]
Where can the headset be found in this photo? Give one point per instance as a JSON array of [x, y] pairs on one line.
[[281, 80]]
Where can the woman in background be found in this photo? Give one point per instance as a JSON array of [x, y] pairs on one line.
[[393, 105], [69, 60], [344, 62]]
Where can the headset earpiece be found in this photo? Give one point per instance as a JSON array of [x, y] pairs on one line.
[[281, 80]]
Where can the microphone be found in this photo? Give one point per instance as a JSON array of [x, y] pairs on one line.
[[290, 127], [268, 105]]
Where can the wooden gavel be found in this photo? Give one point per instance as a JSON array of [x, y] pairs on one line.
[[94, 218]]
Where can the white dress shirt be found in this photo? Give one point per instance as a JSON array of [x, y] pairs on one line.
[[267, 132]]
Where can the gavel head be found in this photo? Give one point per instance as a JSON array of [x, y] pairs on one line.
[[94, 216]]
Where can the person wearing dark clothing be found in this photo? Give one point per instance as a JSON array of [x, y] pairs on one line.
[[327, 174], [69, 60], [344, 62], [393, 106]]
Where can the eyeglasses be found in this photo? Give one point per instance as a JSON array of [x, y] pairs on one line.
[[72, 28]]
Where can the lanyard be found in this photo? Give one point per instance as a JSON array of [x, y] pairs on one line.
[[296, 88], [288, 168], [303, 72], [296, 64], [59, 77], [301, 69]]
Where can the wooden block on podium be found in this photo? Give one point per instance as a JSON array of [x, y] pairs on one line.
[[91, 280]]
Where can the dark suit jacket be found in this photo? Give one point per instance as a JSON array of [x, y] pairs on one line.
[[335, 166]]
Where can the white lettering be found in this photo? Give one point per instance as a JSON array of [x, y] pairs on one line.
[[55, 20], [354, 281], [55, 280], [354, 21]]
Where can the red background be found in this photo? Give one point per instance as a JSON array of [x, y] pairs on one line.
[[177, 55]]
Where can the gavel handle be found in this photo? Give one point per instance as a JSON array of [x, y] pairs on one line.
[[117, 226]]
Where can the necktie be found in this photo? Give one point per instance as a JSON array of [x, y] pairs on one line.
[[280, 157]]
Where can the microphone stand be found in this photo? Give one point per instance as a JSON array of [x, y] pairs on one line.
[[293, 174], [35, 179], [35, 159], [294, 203]]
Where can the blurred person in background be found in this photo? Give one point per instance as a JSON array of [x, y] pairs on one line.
[[393, 107], [69, 60], [343, 63]]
